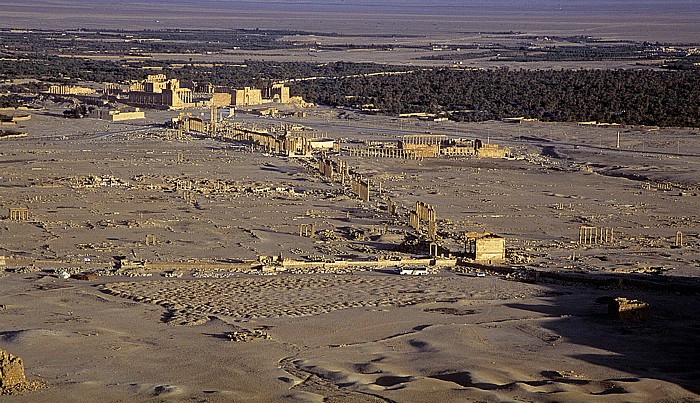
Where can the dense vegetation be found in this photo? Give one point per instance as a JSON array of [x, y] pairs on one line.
[[10, 101], [666, 98], [144, 42], [254, 72], [689, 62], [67, 69], [249, 73]]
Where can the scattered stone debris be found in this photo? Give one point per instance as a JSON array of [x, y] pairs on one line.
[[12, 379], [135, 273], [326, 270], [93, 181], [88, 276], [245, 335], [559, 375], [221, 274], [24, 270], [452, 311], [180, 317]]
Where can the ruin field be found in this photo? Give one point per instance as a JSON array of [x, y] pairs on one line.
[[167, 258], [95, 190], [224, 295]]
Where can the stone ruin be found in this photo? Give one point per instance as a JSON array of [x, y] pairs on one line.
[[11, 370], [245, 335], [424, 212], [628, 309], [487, 248], [12, 379]]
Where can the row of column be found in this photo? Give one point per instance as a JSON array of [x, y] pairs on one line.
[[425, 140], [594, 235], [381, 152], [19, 214]]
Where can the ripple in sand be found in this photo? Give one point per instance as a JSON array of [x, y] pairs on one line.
[[281, 296]]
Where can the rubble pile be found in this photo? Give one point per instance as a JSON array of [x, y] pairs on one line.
[[246, 335]]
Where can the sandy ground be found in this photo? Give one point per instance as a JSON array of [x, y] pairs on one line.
[[345, 338], [367, 336], [96, 190], [244, 204]]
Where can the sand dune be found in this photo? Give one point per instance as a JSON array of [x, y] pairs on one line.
[[362, 337]]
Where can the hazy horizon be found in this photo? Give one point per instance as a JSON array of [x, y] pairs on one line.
[[438, 7], [675, 20]]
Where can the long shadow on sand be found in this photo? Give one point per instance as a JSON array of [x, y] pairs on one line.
[[666, 346]]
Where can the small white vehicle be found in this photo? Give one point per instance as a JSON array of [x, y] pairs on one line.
[[411, 270], [481, 274]]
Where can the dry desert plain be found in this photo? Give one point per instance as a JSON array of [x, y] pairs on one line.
[[199, 323], [648, 20]]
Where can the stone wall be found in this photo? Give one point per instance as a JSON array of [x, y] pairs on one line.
[[221, 99], [11, 371], [493, 151]]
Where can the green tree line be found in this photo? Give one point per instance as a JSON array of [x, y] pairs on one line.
[[649, 97]]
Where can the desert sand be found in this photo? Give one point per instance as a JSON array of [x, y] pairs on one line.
[[201, 321], [202, 324], [344, 338]]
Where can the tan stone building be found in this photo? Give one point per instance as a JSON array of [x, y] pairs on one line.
[[220, 99], [158, 91], [190, 123], [459, 147], [322, 144], [246, 97], [457, 151], [421, 150], [486, 247], [117, 115]]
